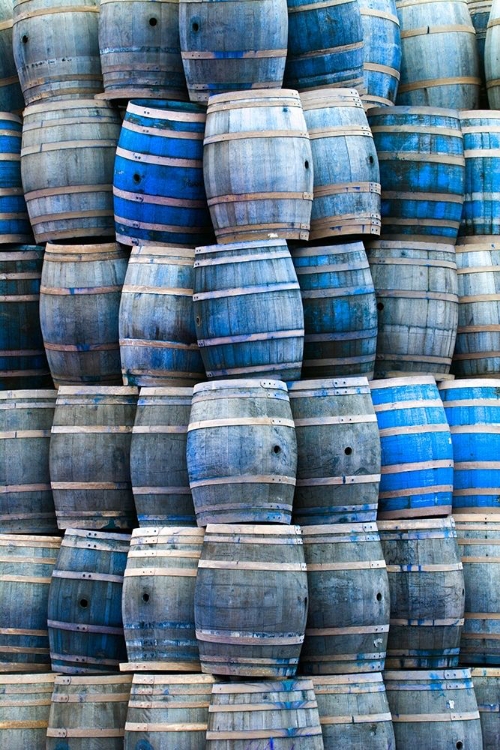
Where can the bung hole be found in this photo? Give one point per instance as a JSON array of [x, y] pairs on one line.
[[380, 305], [136, 177], [195, 26], [379, 597], [145, 597], [276, 449], [348, 451], [459, 745], [153, 21], [306, 164], [83, 603], [24, 38]]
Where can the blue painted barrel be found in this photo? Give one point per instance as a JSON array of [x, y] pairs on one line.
[[480, 15], [422, 171], [473, 411], [417, 455], [481, 211], [159, 195], [382, 53], [14, 221], [325, 44]]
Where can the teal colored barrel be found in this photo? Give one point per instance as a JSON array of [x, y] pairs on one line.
[[417, 456], [422, 171], [382, 54], [325, 44], [480, 14], [11, 95], [159, 196], [14, 221], [481, 211], [248, 311], [487, 688], [473, 412]]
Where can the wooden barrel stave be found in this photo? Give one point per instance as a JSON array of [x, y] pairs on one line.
[[14, 221], [11, 95], [491, 58], [487, 689], [481, 131], [382, 52], [24, 710]]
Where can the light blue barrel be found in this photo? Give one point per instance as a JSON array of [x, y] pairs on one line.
[[481, 211], [159, 195], [422, 171], [417, 455], [14, 221], [480, 15], [473, 411], [382, 38]]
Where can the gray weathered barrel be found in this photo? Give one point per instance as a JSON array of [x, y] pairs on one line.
[[426, 580], [67, 156], [348, 617], [88, 713], [241, 452], [354, 712], [90, 457], [26, 504], [417, 301], [158, 599], [491, 56], [140, 50], [382, 52], [56, 49], [158, 466], [440, 64], [167, 711], [240, 629], [480, 15], [264, 715], [79, 301], [26, 565], [436, 708], [11, 95], [84, 608], [257, 166], [338, 451], [250, 53], [248, 311], [487, 689], [24, 710], [157, 332]]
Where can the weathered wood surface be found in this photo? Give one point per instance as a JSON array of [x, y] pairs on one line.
[[24, 710], [382, 52], [487, 689], [14, 222], [11, 95]]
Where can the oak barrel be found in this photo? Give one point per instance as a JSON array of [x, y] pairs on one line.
[[241, 452], [417, 454], [480, 15], [258, 166], [11, 95], [487, 689], [88, 713], [26, 504], [24, 710], [79, 301], [249, 54], [338, 451], [426, 581], [348, 616], [492, 57], [248, 311], [26, 565], [250, 601], [481, 210], [84, 607], [382, 52], [157, 333], [14, 222], [158, 599], [158, 465]]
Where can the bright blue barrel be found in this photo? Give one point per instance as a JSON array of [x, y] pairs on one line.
[[417, 456], [14, 221], [473, 411], [422, 171], [159, 195], [481, 211], [325, 44], [382, 63]]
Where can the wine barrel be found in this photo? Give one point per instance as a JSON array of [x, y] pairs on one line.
[[340, 313], [422, 174], [157, 332], [158, 466], [417, 455], [11, 95], [480, 15], [264, 714], [426, 581], [477, 349], [337, 479], [478, 541], [348, 617], [88, 713], [354, 712], [487, 689], [481, 131], [417, 301], [140, 50], [158, 599], [56, 49], [257, 166], [84, 606], [439, 62], [382, 52], [26, 504], [23, 363], [248, 311], [435, 708], [24, 710], [167, 711], [14, 222], [79, 302], [250, 53], [491, 56], [241, 452], [159, 197], [345, 165], [250, 601], [26, 565], [325, 44]]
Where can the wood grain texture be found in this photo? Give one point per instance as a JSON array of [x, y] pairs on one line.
[[11, 95], [14, 221], [24, 710], [491, 56], [487, 689], [481, 131], [382, 52]]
